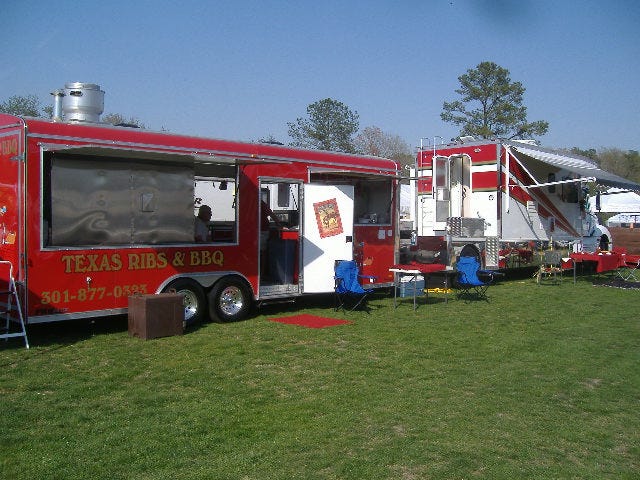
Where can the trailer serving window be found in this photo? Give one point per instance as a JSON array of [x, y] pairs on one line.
[[373, 200], [105, 197], [220, 193], [373, 194]]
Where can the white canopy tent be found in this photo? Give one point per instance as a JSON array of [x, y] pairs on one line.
[[618, 200], [625, 204], [624, 220]]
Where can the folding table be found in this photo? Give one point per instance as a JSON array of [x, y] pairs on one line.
[[413, 270], [604, 262]]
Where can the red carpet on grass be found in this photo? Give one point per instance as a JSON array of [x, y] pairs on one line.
[[310, 321]]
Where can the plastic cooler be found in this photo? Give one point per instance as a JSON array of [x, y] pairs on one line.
[[409, 284]]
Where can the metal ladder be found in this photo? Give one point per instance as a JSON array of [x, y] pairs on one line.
[[12, 296]]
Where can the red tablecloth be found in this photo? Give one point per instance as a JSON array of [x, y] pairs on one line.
[[421, 267], [604, 261]]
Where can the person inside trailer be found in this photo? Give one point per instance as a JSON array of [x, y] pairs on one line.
[[202, 232], [266, 218]]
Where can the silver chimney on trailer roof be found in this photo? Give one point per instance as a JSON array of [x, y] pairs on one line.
[[79, 102]]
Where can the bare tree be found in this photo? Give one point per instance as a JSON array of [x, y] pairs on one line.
[[121, 120], [624, 164], [373, 141]]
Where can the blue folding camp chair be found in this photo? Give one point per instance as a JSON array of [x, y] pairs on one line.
[[348, 291], [469, 285]]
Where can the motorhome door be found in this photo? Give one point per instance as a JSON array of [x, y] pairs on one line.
[[452, 176], [328, 233], [460, 185]]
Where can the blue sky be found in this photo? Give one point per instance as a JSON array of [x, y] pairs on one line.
[[243, 69]]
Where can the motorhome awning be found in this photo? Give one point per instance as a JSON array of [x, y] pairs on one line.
[[575, 164]]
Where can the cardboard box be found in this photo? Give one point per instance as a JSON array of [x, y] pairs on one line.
[[153, 316]]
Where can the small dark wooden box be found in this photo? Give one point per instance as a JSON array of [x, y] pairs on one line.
[[153, 316]]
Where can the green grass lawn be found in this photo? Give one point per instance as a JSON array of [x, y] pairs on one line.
[[540, 382]]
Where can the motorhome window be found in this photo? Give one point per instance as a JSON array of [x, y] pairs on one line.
[[569, 191], [442, 171], [551, 178], [372, 203], [103, 200]]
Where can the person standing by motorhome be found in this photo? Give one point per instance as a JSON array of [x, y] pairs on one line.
[[202, 233]]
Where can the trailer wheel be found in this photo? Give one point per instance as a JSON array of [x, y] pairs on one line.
[[229, 300], [195, 300]]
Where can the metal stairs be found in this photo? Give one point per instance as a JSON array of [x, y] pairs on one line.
[[12, 305]]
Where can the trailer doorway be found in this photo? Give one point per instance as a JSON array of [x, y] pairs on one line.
[[279, 242]]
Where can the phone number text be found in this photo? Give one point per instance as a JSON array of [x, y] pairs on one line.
[[89, 294]]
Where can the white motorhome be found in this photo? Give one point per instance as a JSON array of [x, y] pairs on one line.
[[498, 200]]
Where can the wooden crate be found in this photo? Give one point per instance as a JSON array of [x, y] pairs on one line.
[[153, 316], [628, 238]]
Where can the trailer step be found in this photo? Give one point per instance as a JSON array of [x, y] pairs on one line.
[[275, 301]]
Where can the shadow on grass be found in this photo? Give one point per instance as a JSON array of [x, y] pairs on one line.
[[616, 283], [518, 273], [320, 301], [69, 332], [72, 331]]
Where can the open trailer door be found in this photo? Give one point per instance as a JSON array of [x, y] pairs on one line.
[[12, 196], [328, 233]]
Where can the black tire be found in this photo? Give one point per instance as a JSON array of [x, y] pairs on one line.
[[229, 300], [195, 300]]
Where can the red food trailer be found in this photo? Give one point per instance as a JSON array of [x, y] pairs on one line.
[[91, 214]]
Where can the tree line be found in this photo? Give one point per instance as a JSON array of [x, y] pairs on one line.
[[30, 106], [490, 106]]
